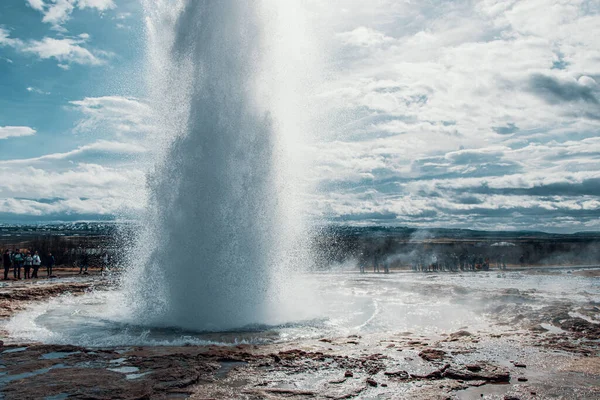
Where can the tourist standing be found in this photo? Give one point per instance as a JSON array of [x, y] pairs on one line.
[[83, 264], [7, 263], [37, 261], [49, 265], [28, 264], [105, 262], [17, 264]]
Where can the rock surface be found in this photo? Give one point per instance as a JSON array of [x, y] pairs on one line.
[[384, 365]]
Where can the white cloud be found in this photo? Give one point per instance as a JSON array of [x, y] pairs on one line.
[[473, 114], [101, 178], [436, 112], [123, 15], [6, 40], [32, 89], [100, 5], [102, 150], [58, 12], [120, 115], [83, 189], [36, 4], [15, 131], [364, 37], [66, 50], [105, 177]]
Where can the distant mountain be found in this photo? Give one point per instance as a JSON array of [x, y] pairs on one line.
[[401, 232], [447, 233]]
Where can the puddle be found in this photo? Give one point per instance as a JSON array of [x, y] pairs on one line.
[[4, 379], [60, 396], [227, 366], [57, 355], [15, 350], [124, 370], [552, 329], [131, 377], [477, 392], [91, 364], [588, 319]]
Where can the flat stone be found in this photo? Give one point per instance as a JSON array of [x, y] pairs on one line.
[[432, 354], [397, 374], [473, 367]]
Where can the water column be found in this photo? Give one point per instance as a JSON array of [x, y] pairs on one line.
[[220, 228]]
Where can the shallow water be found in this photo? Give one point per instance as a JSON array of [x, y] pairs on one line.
[[350, 303]]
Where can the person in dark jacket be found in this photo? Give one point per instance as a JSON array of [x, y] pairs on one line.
[[7, 263], [49, 264], [17, 264], [83, 265]]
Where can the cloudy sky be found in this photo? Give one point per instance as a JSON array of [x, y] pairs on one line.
[[473, 114]]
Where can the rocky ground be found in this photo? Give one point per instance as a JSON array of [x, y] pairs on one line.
[[535, 353]]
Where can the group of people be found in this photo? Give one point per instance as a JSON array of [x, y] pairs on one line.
[[434, 263], [378, 266], [454, 262], [27, 260]]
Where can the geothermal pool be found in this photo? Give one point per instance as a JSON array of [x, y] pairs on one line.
[[349, 303]]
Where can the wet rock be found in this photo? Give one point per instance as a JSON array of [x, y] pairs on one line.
[[371, 382], [432, 354], [279, 391], [518, 318], [476, 383], [82, 383], [584, 327], [538, 328], [397, 374], [56, 348], [458, 335], [437, 374], [488, 373], [522, 379]]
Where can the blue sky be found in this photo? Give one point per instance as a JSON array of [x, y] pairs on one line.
[[36, 88], [474, 114]]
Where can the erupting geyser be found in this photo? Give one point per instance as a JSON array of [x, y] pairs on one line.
[[223, 229]]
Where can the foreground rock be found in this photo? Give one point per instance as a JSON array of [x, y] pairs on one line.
[[18, 295], [524, 364]]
